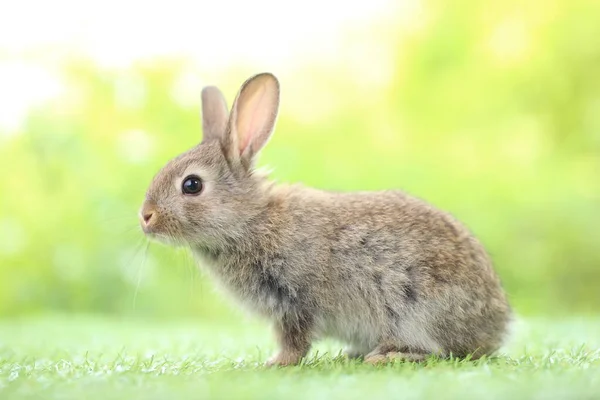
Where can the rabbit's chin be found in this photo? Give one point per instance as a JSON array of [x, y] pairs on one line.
[[167, 240]]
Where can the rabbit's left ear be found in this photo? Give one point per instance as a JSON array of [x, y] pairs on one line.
[[253, 117], [214, 114]]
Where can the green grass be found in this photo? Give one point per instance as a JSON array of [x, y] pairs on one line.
[[76, 357]]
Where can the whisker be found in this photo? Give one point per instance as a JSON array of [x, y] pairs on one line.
[[139, 244], [123, 227], [191, 266], [117, 218], [139, 275], [131, 228]]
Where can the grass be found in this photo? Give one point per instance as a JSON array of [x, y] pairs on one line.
[[78, 357]]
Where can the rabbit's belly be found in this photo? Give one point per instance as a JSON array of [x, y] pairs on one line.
[[359, 332], [365, 333]]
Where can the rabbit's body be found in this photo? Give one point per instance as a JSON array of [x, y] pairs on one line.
[[365, 268], [384, 272]]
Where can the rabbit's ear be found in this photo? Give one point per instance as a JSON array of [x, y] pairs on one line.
[[214, 114], [253, 117]]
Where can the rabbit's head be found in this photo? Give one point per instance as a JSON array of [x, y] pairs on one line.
[[208, 195]]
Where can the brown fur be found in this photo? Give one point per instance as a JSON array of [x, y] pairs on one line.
[[385, 272]]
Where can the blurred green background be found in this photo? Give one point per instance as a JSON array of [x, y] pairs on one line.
[[490, 110]]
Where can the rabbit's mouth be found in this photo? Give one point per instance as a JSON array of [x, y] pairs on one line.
[[155, 230]]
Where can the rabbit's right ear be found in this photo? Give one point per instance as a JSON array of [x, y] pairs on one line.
[[253, 116], [214, 114]]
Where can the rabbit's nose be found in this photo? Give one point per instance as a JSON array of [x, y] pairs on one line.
[[148, 216]]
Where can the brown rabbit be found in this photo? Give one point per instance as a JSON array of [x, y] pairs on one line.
[[384, 272]]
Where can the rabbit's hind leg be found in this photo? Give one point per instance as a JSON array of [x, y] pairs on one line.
[[384, 354], [354, 352]]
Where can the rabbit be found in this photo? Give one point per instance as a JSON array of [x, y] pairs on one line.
[[384, 272]]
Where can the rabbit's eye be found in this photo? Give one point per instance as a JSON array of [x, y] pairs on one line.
[[192, 185]]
